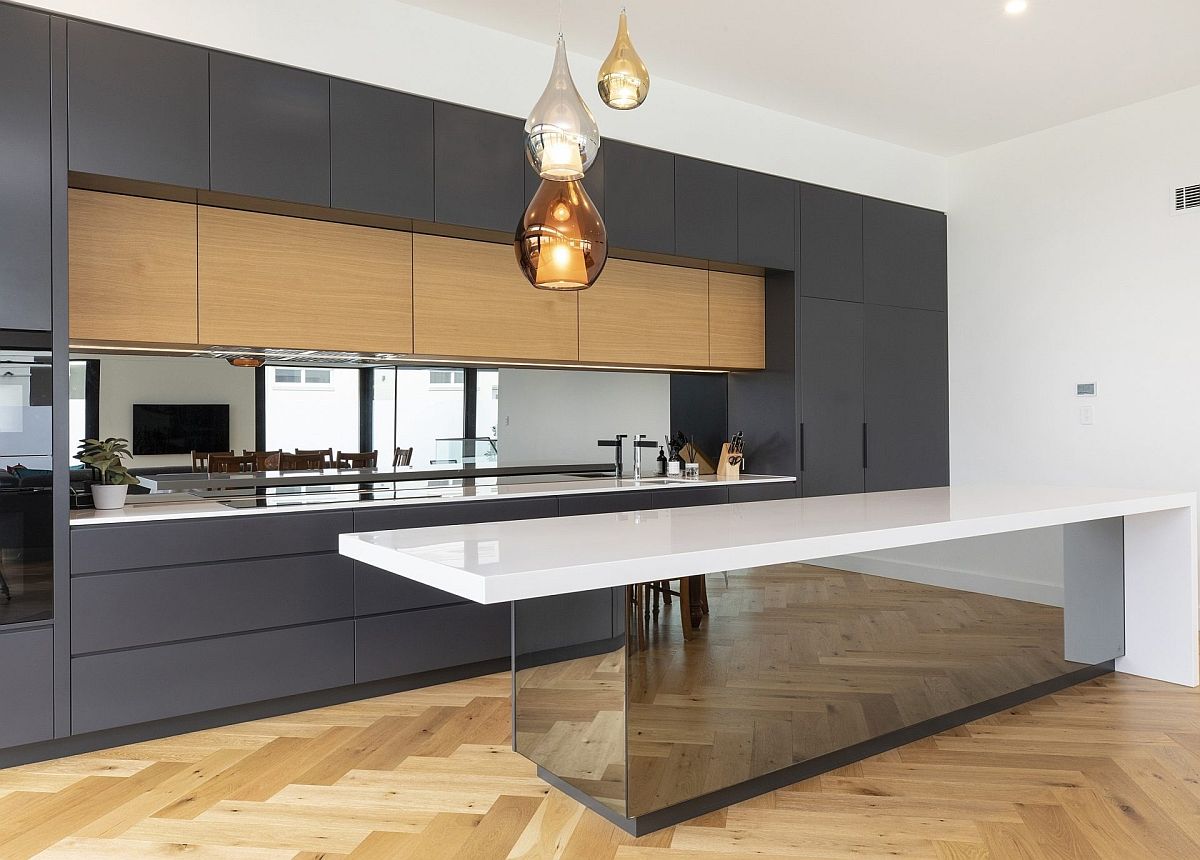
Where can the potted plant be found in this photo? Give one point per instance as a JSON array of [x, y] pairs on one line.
[[108, 494]]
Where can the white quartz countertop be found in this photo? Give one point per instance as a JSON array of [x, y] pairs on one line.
[[497, 562], [148, 508]]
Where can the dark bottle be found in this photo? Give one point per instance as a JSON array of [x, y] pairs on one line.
[[662, 462]]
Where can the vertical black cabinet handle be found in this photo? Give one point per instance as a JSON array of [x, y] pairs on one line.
[[864, 444], [801, 446]]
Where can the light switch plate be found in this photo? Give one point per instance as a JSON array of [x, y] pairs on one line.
[[1087, 414]]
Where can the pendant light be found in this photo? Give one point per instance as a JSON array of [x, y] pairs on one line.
[[624, 80], [561, 135], [561, 242]]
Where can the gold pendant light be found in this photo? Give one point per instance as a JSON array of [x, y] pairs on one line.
[[561, 242], [561, 135], [623, 81]]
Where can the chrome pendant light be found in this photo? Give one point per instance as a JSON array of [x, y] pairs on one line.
[[623, 80], [561, 242], [561, 135]]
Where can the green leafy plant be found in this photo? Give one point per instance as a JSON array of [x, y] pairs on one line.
[[105, 457]]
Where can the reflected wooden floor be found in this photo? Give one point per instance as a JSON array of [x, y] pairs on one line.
[[795, 661], [1107, 769]]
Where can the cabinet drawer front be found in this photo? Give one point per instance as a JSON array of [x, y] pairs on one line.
[[145, 607], [389, 646], [161, 544], [127, 687], [686, 497], [762, 492], [453, 513], [27, 682], [606, 503], [377, 591]]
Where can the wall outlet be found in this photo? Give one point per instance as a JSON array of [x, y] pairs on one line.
[[1087, 414]]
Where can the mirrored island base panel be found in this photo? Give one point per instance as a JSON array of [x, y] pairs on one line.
[[716, 688]]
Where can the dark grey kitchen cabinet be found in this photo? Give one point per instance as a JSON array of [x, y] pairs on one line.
[[25, 166], [706, 196], [149, 607], [381, 148], [831, 244], [479, 168], [127, 546], [762, 492], [544, 625], [831, 396], [119, 688], [687, 497], [378, 591], [137, 106], [268, 130], [593, 182], [405, 643], [27, 679], [606, 503], [766, 220], [904, 255], [907, 410], [639, 197], [453, 513]]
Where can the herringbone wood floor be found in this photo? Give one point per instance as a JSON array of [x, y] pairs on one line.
[[1108, 769]]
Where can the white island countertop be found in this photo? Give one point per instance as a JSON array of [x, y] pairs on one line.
[[516, 560], [153, 507], [503, 561]]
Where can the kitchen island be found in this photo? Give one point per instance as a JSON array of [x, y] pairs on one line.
[[797, 668]]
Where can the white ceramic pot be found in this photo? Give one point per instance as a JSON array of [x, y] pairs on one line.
[[109, 497]]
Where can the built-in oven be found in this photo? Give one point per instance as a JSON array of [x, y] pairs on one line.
[[26, 478]]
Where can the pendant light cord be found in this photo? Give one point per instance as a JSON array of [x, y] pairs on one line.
[[560, 18]]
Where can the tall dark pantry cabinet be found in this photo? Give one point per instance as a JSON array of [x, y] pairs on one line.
[[33, 352]]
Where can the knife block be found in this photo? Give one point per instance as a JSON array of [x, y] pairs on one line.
[[725, 469]]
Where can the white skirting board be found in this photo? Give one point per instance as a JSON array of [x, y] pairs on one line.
[[963, 580]]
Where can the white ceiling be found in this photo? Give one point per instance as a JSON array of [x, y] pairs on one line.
[[942, 76]]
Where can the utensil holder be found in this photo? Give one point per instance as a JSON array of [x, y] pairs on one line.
[[725, 469]]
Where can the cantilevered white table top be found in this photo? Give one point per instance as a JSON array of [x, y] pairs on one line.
[[498, 562]]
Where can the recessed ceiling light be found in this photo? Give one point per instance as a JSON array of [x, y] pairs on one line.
[[1016, 7]]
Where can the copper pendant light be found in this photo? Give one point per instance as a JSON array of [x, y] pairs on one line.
[[623, 80], [561, 242]]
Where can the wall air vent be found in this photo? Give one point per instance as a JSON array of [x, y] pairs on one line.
[[1187, 197]]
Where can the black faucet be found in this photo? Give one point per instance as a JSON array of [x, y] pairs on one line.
[[617, 443]]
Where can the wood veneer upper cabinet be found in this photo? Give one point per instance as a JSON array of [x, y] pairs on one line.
[[470, 299], [132, 268], [736, 321], [273, 281], [617, 315]]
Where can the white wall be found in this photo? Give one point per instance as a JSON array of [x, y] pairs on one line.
[[560, 414], [143, 379], [391, 44], [1068, 264]]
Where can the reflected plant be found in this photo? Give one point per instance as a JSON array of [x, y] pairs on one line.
[[105, 457]]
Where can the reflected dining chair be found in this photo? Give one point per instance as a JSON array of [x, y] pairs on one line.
[[302, 462], [326, 455], [357, 459], [403, 457], [229, 464], [200, 459]]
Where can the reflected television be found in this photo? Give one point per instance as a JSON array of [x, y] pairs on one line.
[[160, 428]]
